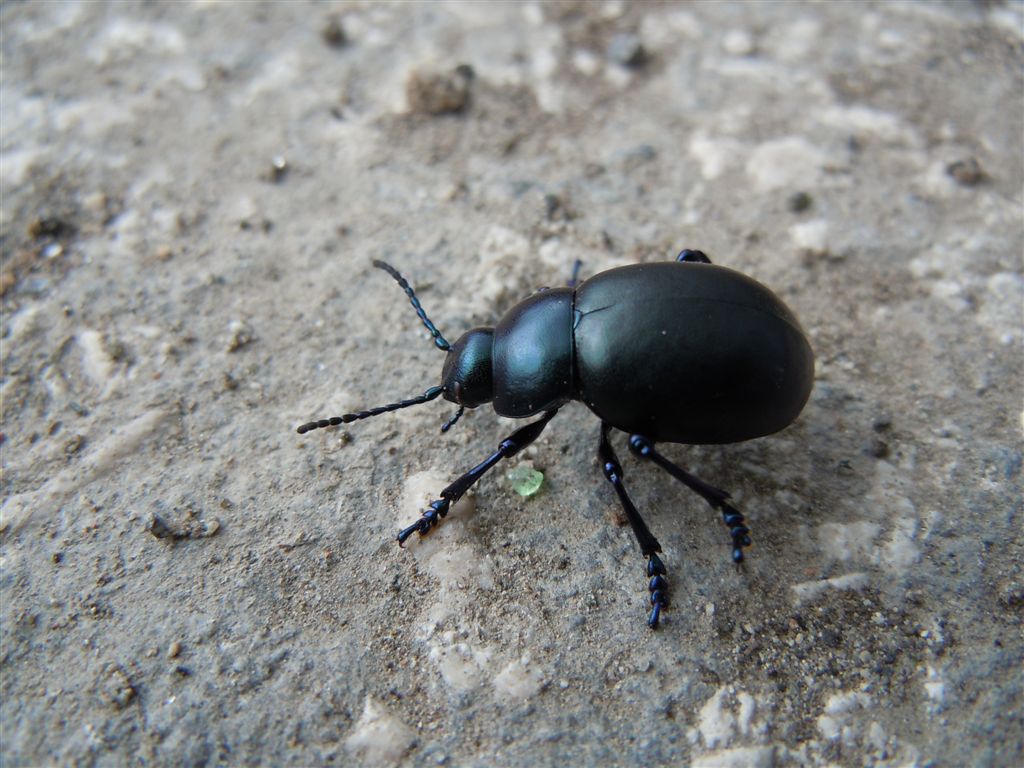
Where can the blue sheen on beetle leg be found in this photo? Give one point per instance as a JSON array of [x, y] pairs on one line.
[[649, 545]]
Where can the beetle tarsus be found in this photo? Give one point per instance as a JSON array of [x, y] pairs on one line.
[[658, 587], [738, 530], [429, 520], [451, 422]]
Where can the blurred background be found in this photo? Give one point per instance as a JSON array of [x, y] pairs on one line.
[[190, 198]]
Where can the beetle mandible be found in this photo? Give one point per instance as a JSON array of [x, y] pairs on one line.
[[678, 352]]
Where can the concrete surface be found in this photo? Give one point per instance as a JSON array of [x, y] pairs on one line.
[[192, 194]]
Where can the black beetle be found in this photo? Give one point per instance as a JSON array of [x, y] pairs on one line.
[[679, 352]]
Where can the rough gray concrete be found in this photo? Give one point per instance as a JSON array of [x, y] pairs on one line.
[[192, 194]]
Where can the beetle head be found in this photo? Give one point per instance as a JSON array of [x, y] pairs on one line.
[[466, 377]]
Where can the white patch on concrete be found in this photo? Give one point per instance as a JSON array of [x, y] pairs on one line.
[[280, 72], [739, 757], [104, 458], [669, 29], [868, 123], [557, 255], [798, 40], [15, 164], [1001, 310], [934, 689], [849, 541], [96, 363], [901, 550], [715, 155], [93, 118], [811, 237], [935, 180], [460, 664], [24, 322], [518, 681], [715, 722], [747, 710], [810, 590], [378, 737], [725, 714], [888, 500], [787, 163], [1009, 18], [546, 48], [503, 252], [835, 721], [587, 62], [875, 737], [462, 572], [123, 36], [533, 14], [613, 9]]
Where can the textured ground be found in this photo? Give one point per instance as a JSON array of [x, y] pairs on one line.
[[191, 196]]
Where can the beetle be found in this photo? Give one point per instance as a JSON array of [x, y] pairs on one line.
[[681, 351]]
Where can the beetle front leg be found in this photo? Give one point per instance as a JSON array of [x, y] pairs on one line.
[[658, 584], [510, 446], [718, 499]]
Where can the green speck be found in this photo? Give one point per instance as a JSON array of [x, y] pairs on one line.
[[525, 480]]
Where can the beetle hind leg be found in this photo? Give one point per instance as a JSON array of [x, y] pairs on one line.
[[718, 499], [658, 584]]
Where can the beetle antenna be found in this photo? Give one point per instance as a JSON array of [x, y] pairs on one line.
[[451, 422], [439, 340], [426, 397]]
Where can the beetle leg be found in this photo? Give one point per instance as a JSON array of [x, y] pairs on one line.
[[718, 499], [693, 257], [658, 585], [510, 446], [575, 278]]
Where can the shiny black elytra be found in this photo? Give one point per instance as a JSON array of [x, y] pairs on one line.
[[678, 352]]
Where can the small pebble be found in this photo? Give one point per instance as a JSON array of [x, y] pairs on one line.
[[878, 448], [627, 50], [48, 226], [242, 335], [278, 169], [74, 445], [333, 32], [967, 173], [439, 93], [799, 202]]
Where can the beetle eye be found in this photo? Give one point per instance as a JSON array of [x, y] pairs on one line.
[[457, 386]]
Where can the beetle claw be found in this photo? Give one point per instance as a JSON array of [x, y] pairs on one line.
[[428, 520], [658, 587]]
